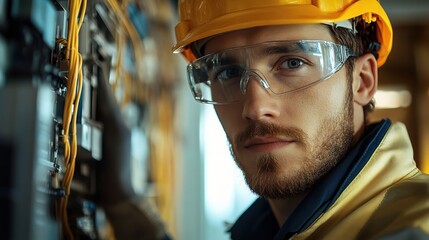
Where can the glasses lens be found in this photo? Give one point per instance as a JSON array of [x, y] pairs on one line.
[[281, 66]]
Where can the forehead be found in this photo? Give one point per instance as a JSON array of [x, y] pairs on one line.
[[257, 35]]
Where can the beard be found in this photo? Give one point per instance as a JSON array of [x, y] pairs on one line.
[[332, 142]]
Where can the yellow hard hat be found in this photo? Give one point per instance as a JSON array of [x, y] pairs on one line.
[[200, 19]]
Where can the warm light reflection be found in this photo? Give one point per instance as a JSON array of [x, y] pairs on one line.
[[425, 167], [388, 99]]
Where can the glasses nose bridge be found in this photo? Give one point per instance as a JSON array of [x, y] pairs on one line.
[[253, 73]]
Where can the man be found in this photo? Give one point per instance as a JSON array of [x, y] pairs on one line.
[[292, 83]]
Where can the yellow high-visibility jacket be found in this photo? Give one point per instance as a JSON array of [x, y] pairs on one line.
[[380, 194], [390, 196]]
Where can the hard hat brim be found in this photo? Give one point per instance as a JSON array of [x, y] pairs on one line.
[[281, 15]]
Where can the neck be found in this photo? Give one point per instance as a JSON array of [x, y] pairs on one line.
[[283, 208]]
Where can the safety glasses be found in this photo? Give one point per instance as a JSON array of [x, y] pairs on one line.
[[281, 66]]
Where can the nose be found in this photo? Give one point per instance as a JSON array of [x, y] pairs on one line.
[[247, 76], [259, 103]]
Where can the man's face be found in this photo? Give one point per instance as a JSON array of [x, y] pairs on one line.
[[285, 143]]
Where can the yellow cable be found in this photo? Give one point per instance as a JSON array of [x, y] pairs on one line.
[[131, 31], [162, 164], [120, 44], [77, 11]]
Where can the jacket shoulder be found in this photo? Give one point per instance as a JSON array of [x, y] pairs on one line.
[[405, 206]]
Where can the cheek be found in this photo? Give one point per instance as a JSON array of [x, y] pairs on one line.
[[229, 117], [319, 103], [331, 101], [331, 95]]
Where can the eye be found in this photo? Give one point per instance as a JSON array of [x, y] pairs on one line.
[[291, 63], [229, 73]]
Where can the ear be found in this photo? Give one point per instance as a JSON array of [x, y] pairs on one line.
[[365, 79]]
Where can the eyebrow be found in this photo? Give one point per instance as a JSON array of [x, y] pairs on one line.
[[228, 60], [280, 49]]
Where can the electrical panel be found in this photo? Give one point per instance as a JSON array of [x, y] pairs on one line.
[[87, 108]]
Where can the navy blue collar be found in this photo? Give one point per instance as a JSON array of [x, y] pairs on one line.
[[258, 221]]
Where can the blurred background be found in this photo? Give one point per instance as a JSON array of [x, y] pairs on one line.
[[100, 137]]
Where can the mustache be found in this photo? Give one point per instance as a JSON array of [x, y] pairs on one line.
[[256, 129]]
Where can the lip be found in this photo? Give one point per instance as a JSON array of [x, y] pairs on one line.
[[266, 144]]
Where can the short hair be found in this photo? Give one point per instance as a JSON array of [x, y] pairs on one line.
[[362, 42]]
